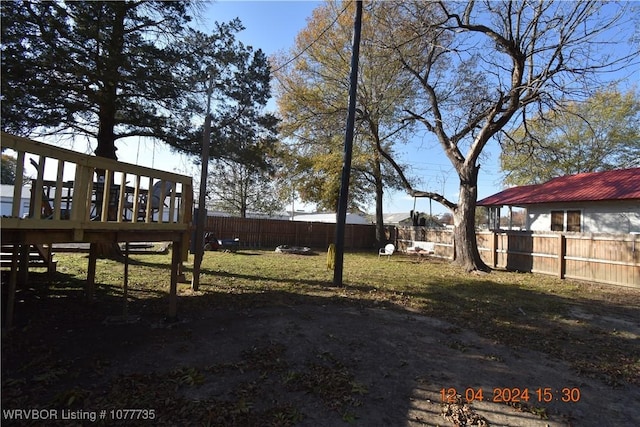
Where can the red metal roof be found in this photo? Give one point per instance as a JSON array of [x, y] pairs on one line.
[[621, 184]]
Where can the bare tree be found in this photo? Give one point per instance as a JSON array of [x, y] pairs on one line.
[[510, 58], [239, 189]]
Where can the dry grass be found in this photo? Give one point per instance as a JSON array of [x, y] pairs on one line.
[[564, 319]]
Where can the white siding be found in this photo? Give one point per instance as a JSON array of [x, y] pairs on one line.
[[6, 201], [597, 217], [330, 218]]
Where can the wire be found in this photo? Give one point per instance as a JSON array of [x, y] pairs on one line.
[[298, 55]]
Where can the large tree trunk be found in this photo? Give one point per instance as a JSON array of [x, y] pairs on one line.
[[243, 209], [106, 148], [381, 236], [377, 173], [107, 116], [464, 234]]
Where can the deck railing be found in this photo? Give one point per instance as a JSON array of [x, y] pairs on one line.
[[87, 193]]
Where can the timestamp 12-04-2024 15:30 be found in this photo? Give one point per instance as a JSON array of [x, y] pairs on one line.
[[511, 395]]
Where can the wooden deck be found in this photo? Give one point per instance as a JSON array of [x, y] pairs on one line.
[[88, 199]]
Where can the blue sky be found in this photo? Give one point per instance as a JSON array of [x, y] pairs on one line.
[[272, 26]]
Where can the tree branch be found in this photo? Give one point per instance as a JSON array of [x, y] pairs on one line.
[[434, 196]]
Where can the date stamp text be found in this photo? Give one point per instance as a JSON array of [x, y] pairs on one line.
[[511, 394]]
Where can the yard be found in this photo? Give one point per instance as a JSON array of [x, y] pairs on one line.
[[267, 342]]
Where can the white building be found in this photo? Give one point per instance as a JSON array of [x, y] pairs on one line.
[[6, 200], [330, 218]]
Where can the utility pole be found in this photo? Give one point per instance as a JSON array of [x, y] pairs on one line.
[[348, 147], [202, 211]]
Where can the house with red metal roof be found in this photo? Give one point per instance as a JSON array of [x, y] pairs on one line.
[[596, 202]]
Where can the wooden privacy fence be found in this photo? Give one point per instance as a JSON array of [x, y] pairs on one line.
[[602, 258], [269, 233]]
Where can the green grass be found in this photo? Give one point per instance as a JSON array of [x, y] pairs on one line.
[[523, 311]]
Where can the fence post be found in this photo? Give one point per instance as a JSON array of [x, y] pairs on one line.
[[562, 251], [453, 245], [494, 249]]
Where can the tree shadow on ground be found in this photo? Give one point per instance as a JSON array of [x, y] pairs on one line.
[[275, 357]]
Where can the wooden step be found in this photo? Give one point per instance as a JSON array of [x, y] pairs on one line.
[[37, 257]]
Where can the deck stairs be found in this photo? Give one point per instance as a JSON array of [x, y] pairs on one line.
[[38, 255]]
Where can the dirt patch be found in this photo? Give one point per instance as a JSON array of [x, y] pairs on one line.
[[309, 362]]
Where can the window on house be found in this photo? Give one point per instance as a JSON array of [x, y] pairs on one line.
[[557, 220], [573, 221]]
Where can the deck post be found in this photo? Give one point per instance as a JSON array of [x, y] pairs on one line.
[[91, 271], [125, 281], [13, 278], [51, 266], [181, 277], [23, 264], [176, 261]]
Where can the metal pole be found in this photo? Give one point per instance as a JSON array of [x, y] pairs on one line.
[[202, 212], [348, 146]]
